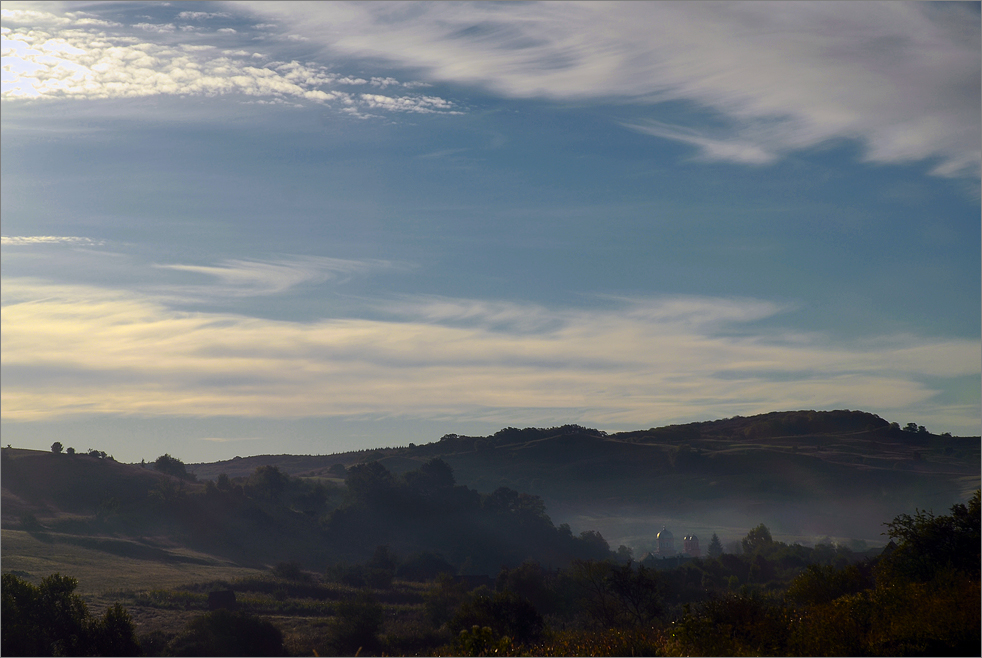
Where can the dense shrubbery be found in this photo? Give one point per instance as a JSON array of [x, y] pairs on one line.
[[51, 620], [505, 613], [172, 466], [425, 511], [356, 627], [920, 598], [224, 633]]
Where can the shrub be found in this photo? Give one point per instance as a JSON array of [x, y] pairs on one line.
[[930, 544], [51, 620], [291, 570], [444, 598], [224, 633], [481, 641], [505, 613], [820, 584], [733, 625], [172, 466], [424, 566], [357, 626]]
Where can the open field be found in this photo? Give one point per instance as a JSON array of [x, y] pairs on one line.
[[162, 595], [102, 568]]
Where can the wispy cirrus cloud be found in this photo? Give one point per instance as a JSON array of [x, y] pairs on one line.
[[902, 78], [51, 56], [75, 350], [732, 149], [202, 15], [32, 240], [247, 278], [48, 18]]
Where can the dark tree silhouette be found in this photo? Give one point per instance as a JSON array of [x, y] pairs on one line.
[[172, 466], [756, 538], [225, 633], [929, 544], [51, 620], [268, 482], [715, 548]]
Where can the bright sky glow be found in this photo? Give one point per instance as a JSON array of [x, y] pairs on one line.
[[315, 227]]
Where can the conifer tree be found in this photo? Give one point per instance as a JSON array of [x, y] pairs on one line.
[[715, 547]]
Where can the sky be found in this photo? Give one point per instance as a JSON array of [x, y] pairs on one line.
[[252, 228]]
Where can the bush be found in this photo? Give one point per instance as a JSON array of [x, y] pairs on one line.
[[224, 633], [505, 613], [172, 466], [930, 544], [291, 570], [733, 625], [529, 581], [357, 626], [481, 641], [443, 598], [51, 620], [424, 566], [606, 642], [823, 584], [618, 596]]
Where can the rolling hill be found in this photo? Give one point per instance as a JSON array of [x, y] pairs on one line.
[[806, 474], [809, 476]]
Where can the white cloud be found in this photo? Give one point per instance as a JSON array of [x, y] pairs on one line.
[[202, 15], [903, 78], [75, 350], [732, 149], [33, 17], [419, 104], [31, 240], [246, 278], [77, 63], [155, 27]]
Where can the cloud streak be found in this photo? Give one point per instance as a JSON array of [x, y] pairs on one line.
[[48, 56], [34, 240], [902, 78], [248, 278], [74, 350]]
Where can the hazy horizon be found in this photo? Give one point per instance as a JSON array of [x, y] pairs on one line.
[[244, 228]]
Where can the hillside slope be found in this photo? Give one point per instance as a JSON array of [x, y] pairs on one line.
[[806, 474]]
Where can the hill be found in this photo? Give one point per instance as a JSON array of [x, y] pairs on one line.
[[807, 474], [95, 505]]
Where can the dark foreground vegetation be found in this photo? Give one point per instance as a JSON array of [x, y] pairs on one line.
[[919, 596]]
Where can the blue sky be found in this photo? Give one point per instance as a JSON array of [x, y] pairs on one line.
[[240, 228]]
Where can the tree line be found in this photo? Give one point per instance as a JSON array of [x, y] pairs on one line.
[[920, 596]]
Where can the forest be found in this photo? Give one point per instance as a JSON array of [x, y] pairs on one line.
[[416, 564]]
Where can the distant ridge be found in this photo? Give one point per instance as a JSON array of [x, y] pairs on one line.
[[803, 472], [737, 431], [807, 475]]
